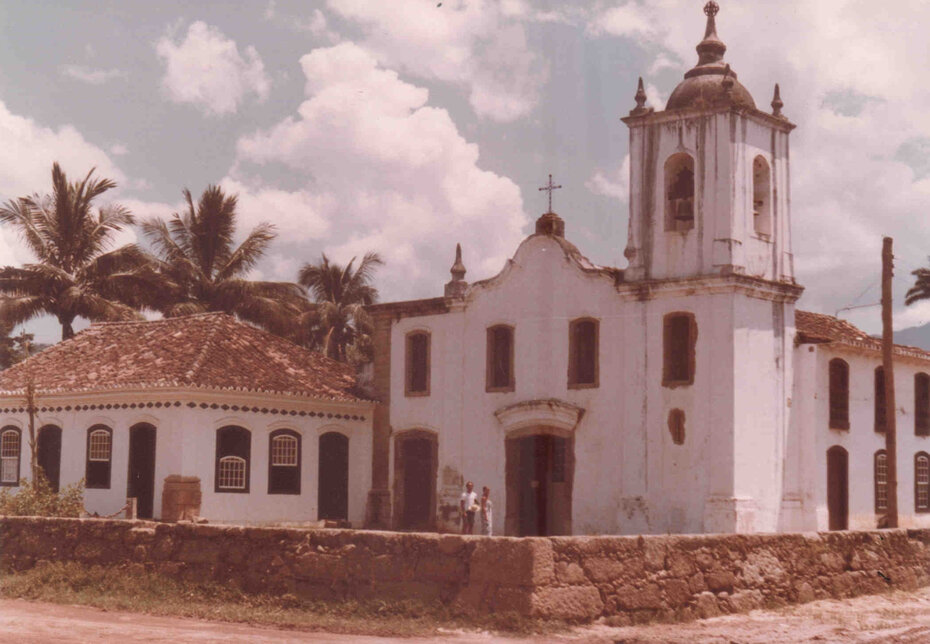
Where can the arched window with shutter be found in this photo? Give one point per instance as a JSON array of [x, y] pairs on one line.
[[233, 459], [284, 462], [99, 457], [879, 399], [10, 451], [881, 481], [921, 404], [921, 482]]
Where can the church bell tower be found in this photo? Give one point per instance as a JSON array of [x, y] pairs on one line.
[[709, 178]]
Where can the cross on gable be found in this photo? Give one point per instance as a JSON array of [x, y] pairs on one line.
[[549, 188]]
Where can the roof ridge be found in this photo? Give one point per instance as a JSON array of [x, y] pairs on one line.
[[158, 321], [201, 358]]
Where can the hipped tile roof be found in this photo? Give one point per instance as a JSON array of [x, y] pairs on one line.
[[206, 351], [820, 328]]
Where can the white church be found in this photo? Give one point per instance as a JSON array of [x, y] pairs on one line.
[[681, 394]]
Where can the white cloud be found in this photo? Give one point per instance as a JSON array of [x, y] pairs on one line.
[[478, 44], [118, 149], [90, 75], [207, 70], [614, 184], [385, 172]]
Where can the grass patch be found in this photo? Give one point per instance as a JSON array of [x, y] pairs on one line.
[[137, 590]]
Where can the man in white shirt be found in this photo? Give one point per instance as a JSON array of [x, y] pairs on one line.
[[469, 507]]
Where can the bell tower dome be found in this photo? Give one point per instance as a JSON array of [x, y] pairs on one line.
[[709, 178]]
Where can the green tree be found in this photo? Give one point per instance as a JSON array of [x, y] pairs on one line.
[[205, 271], [15, 348], [75, 275], [338, 323]]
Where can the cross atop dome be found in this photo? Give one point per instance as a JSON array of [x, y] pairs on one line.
[[711, 9]]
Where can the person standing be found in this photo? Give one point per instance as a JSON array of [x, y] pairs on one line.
[[469, 507], [486, 511]]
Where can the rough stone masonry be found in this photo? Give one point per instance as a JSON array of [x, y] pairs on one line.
[[634, 579]]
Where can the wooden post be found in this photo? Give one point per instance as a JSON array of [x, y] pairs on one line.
[[891, 438], [31, 411]]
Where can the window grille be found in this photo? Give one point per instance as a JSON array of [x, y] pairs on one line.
[[922, 482], [231, 473], [284, 451], [99, 449], [881, 482], [9, 456]]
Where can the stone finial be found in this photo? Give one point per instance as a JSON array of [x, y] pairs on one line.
[[711, 49], [777, 103], [457, 286], [640, 100]]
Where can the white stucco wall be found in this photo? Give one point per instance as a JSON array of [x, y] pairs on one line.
[[811, 423], [629, 476], [186, 445]]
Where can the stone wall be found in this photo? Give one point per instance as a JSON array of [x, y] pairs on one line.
[[575, 578]]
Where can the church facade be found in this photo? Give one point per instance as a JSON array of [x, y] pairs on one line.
[[682, 394]]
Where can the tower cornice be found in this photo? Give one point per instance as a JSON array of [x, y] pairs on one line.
[[668, 116]]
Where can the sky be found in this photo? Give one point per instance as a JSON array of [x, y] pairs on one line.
[[407, 126]]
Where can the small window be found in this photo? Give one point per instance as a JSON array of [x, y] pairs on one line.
[[680, 338], [10, 448], [583, 353], [881, 482], [761, 196], [679, 192], [676, 426], [231, 474], [284, 462], [500, 359], [922, 482], [879, 399], [922, 404], [839, 394], [418, 366], [233, 454], [99, 454]]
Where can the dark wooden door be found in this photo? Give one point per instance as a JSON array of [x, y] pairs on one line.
[[333, 491], [142, 468], [838, 487], [48, 453], [417, 455]]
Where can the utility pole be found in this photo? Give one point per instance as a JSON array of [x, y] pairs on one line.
[[891, 435]]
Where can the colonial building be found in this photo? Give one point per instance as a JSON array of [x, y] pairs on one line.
[[683, 393], [266, 430]]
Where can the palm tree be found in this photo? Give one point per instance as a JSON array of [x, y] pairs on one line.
[[74, 276], [206, 272], [339, 323], [921, 288]]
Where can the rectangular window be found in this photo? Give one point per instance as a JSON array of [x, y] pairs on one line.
[[839, 394], [879, 400], [231, 473], [583, 353], [500, 359], [9, 457], [922, 404], [679, 339], [881, 482], [418, 364], [922, 482], [284, 451]]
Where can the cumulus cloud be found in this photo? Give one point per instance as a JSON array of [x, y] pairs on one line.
[[90, 75], [206, 70], [478, 44], [384, 171], [851, 81], [29, 149], [613, 184]]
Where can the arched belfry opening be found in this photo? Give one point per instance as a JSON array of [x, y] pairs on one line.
[[761, 196], [679, 192]]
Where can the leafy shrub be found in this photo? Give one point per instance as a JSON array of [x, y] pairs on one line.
[[36, 498]]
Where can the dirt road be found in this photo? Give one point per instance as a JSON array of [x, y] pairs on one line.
[[899, 617]]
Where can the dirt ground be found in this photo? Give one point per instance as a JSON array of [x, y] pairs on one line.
[[897, 617]]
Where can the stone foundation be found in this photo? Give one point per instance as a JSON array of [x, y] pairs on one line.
[[632, 579]]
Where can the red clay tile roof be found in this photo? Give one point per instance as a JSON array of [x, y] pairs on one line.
[[818, 328], [207, 351]]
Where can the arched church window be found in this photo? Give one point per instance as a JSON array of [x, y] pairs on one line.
[[10, 447], [922, 482], [679, 340], [500, 358], [284, 462], [839, 394], [679, 192], [417, 364], [99, 456], [881, 482], [879, 399], [761, 196], [582, 353], [233, 454], [922, 404]]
